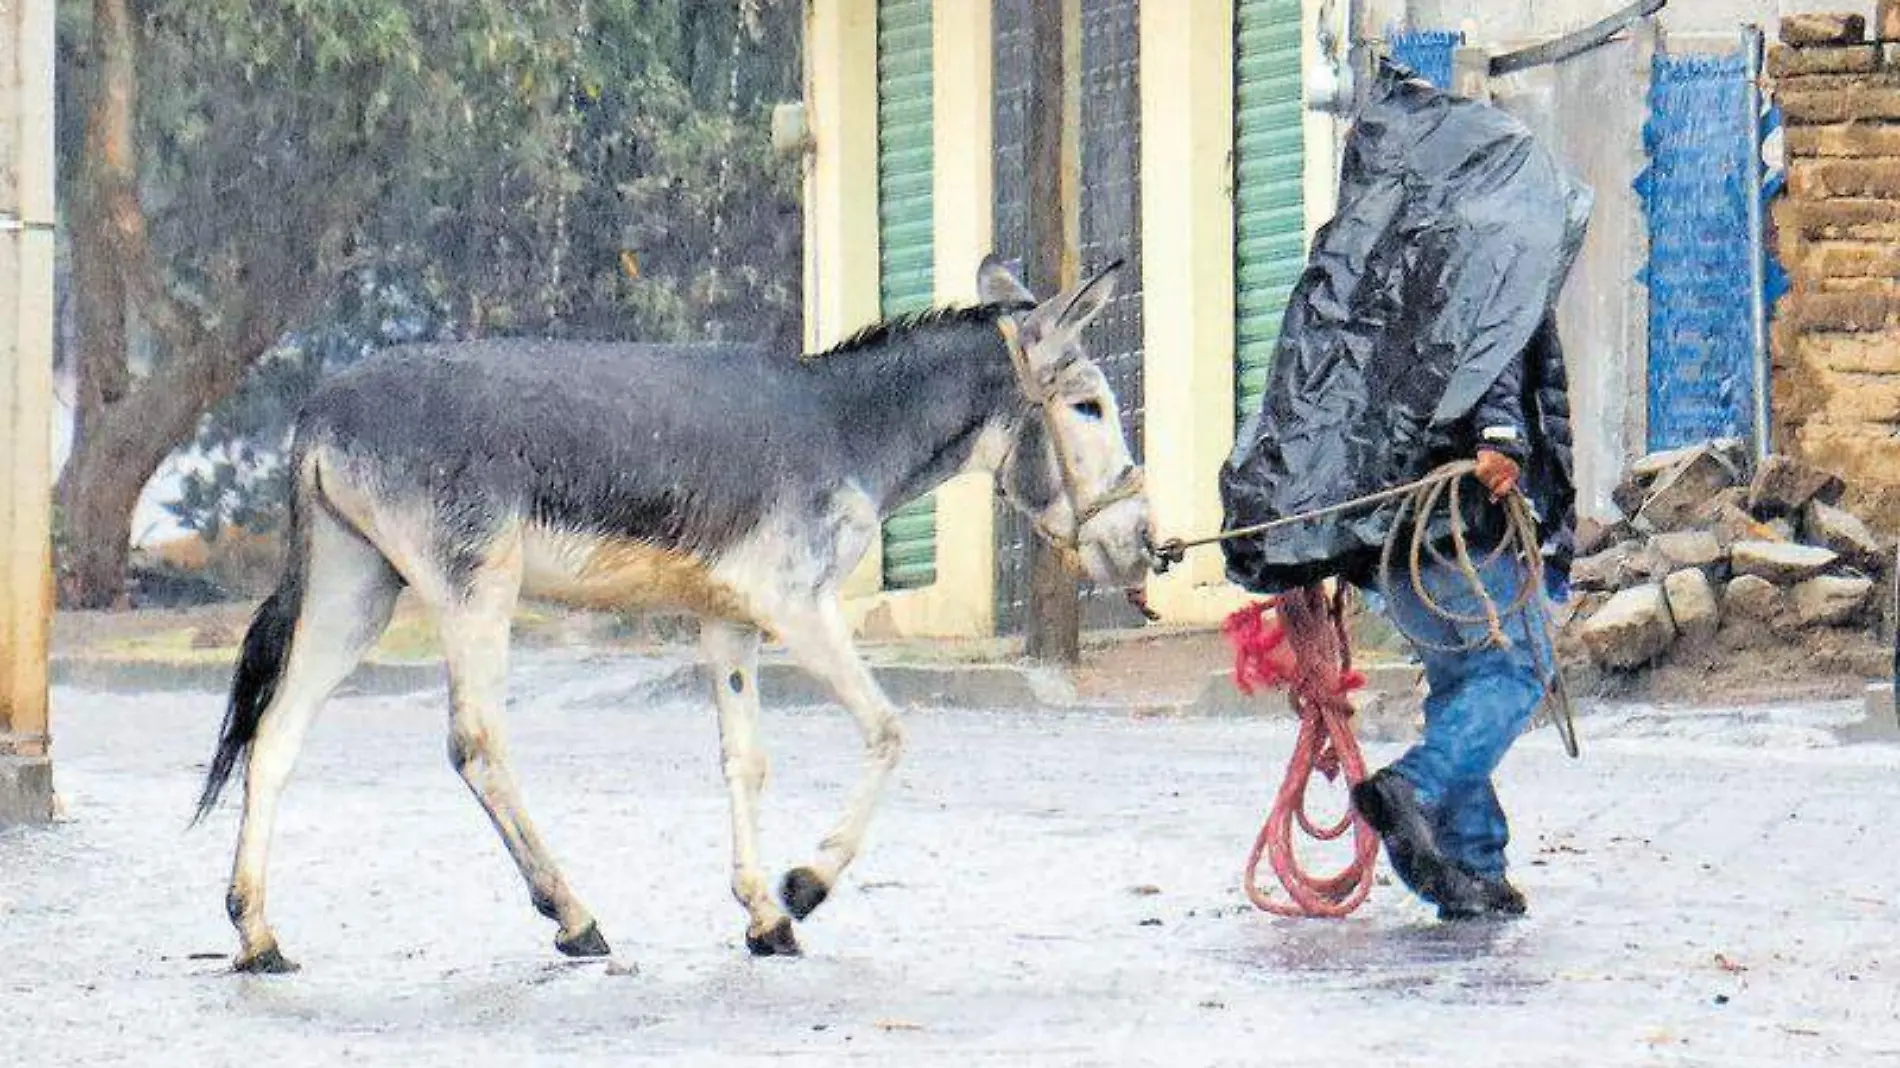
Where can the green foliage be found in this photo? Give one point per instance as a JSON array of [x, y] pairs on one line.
[[596, 168]]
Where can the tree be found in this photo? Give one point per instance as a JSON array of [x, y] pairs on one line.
[[245, 171], [1055, 597]]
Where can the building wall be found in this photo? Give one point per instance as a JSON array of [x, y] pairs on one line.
[[1188, 222], [1510, 23], [1507, 24], [1188, 237], [1187, 272], [1837, 334], [841, 265], [1591, 111]]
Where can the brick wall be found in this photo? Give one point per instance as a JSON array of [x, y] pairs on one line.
[[1837, 228]]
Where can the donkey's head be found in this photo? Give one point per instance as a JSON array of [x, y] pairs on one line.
[[1068, 466]]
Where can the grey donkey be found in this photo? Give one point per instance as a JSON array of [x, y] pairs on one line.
[[737, 482]]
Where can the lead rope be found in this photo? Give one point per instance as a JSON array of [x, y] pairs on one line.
[[1305, 649]]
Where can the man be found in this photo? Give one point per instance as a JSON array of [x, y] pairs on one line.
[[1436, 807], [1423, 330]]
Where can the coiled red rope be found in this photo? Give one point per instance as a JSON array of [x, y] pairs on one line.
[[1298, 640]]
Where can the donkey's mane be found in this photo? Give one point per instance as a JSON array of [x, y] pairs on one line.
[[883, 330]]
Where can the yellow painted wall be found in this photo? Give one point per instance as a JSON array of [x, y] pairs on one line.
[[841, 176], [841, 240], [841, 261], [1187, 85], [1187, 251]]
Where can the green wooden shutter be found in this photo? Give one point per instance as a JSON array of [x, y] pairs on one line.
[[906, 242], [1269, 166]]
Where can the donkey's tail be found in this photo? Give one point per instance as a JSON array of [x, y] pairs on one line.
[[260, 666]]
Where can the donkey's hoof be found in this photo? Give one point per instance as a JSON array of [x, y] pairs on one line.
[[777, 942], [588, 943], [269, 961], [803, 891]]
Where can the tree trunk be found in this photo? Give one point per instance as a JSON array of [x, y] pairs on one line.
[[124, 430], [1055, 602], [97, 498], [95, 557], [128, 440]]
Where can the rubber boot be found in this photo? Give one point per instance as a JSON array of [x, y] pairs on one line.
[[1501, 898], [1390, 804]]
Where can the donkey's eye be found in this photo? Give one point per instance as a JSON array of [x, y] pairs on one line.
[[1088, 409]]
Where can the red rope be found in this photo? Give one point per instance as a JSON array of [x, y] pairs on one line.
[[1303, 647]]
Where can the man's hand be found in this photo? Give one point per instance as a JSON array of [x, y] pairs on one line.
[[1498, 472]]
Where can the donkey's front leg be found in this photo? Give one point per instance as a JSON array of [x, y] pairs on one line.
[[732, 657], [820, 639]]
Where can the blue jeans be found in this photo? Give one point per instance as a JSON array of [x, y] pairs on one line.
[[1480, 701]]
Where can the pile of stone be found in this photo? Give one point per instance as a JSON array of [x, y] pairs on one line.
[[1710, 548]]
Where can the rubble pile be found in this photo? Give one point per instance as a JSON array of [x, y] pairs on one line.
[[1714, 556]]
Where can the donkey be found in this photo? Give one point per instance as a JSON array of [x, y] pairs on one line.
[[739, 483]]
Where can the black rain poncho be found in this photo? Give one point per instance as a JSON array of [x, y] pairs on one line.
[[1454, 234]]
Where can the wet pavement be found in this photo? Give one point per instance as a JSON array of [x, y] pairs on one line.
[[1708, 888]]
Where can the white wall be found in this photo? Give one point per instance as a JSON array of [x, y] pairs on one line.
[[1590, 112]]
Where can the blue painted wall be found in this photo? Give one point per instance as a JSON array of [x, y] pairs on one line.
[[1428, 53], [1695, 195]]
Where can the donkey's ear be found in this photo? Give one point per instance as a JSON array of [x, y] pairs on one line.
[[1065, 314], [1087, 300], [996, 285]]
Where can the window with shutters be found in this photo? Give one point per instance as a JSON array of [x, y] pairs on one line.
[[1269, 202], [906, 245]]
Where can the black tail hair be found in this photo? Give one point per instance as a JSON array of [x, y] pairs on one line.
[[259, 669]]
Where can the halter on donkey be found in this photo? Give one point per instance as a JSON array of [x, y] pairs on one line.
[[738, 483]]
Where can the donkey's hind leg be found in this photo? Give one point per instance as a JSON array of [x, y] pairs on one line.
[[347, 593], [475, 628], [732, 657]]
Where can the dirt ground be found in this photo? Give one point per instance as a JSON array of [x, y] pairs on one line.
[[1041, 889]]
